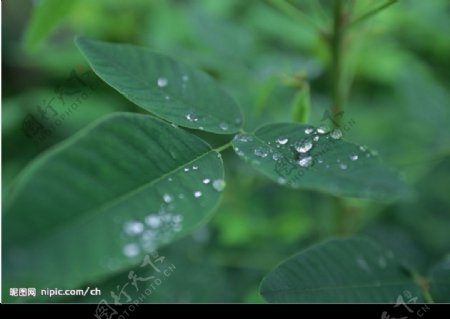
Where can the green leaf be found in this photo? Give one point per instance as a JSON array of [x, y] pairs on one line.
[[46, 15], [440, 281], [171, 90], [98, 202], [342, 271], [301, 106], [331, 165]]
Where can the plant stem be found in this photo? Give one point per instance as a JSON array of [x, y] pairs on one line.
[[337, 98], [222, 147], [336, 46]]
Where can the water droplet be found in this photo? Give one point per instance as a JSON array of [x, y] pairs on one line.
[[362, 148], [133, 228], [148, 236], [308, 130], [206, 181], [343, 166], [303, 146], [177, 219], [316, 138], [185, 78], [186, 169], [238, 120], [192, 117], [306, 161], [219, 185], [336, 134], [162, 82], [354, 157], [282, 140], [201, 128], [167, 97], [223, 126], [197, 194], [261, 152], [320, 161], [167, 198], [181, 196], [131, 250], [170, 179], [243, 138], [153, 221], [195, 167], [276, 156], [323, 129], [281, 180], [174, 125]]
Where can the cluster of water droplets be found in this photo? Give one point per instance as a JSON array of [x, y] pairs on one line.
[[161, 225], [144, 234], [303, 148]]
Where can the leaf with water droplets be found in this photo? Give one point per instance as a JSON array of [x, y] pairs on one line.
[[349, 270], [163, 86], [110, 194], [318, 159]]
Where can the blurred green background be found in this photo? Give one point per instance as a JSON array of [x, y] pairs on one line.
[[398, 69]]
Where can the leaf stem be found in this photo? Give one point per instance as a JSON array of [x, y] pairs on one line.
[[222, 147], [371, 13], [336, 48]]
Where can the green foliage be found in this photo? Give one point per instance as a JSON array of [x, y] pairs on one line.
[[440, 282], [111, 183], [302, 156], [340, 270], [160, 85], [47, 14], [131, 184], [301, 106]]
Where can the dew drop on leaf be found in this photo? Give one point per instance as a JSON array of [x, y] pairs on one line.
[[306, 161], [243, 138], [197, 194], [192, 117], [133, 228], [162, 82], [131, 250], [303, 146], [323, 129], [261, 152], [282, 140], [167, 198], [219, 185], [224, 126], [336, 134]]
